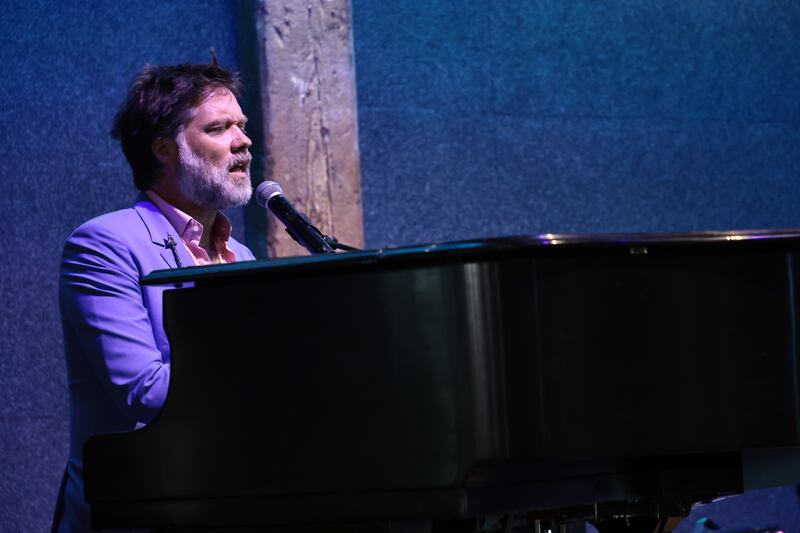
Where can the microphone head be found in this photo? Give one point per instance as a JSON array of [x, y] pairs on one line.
[[266, 191]]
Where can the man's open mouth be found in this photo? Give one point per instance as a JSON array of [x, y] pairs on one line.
[[239, 167]]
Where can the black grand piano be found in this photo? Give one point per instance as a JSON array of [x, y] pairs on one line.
[[470, 386]]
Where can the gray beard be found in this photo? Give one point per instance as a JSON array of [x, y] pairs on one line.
[[207, 185]]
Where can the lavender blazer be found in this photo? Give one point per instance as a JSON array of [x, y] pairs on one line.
[[118, 357]]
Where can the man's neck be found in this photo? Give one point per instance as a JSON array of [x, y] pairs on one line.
[[206, 218]]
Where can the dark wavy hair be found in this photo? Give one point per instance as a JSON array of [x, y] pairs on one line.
[[160, 102]]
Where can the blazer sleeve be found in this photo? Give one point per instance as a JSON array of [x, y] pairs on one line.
[[102, 304]]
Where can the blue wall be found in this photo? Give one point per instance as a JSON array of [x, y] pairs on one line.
[[482, 118], [66, 66]]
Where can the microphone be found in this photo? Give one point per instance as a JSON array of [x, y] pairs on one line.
[[269, 195]]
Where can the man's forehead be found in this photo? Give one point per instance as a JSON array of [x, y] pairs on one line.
[[219, 104]]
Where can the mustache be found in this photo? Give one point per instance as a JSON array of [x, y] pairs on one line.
[[242, 159]]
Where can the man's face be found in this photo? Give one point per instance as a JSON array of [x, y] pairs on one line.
[[213, 154]]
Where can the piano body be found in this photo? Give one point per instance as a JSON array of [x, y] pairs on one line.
[[573, 376]]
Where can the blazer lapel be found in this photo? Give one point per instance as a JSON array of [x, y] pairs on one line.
[[163, 235]]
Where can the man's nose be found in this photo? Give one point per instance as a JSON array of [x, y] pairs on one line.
[[241, 142]]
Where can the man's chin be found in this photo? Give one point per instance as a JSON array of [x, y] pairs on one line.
[[232, 200], [215, 190]]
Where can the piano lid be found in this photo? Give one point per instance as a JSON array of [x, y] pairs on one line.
[[486, 249]]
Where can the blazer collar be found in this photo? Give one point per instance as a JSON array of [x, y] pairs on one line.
[[162, 234]]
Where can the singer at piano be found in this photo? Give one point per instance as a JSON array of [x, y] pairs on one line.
[[183, 133]]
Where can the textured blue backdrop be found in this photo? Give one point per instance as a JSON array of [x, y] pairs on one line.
[[477, 118], [483, 118]]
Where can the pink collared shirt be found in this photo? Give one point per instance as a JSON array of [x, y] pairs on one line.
[[191, 231]]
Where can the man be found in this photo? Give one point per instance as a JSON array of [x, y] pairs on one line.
[[182, 132]]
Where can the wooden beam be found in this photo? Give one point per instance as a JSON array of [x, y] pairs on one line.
[[308, 103]]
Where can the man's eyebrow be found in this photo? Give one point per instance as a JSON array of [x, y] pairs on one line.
[[226, 119]]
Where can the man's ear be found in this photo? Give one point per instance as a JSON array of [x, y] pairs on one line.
[[165, 150]]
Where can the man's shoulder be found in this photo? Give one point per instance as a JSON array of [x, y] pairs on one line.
[[121, 240], [106, 225], [123, 223], [130, 229], [109, 221]]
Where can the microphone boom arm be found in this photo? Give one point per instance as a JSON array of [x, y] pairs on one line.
[[336, 245]]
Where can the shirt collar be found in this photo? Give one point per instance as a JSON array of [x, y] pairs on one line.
[[189, 229]]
